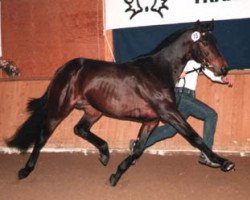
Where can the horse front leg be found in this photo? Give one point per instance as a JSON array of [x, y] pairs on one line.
[[174, 118], [143, 135]]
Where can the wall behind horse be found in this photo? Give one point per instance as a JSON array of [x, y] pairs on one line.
[[42, 35], [232, 105]]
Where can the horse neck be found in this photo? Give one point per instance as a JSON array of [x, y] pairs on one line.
[[173, 59]]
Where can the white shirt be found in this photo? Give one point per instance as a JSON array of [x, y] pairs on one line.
[[190, 81]]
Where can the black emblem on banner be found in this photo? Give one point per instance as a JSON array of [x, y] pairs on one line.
[[135, 6]]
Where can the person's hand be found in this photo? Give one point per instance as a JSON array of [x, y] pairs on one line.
[[183, 74], [227, 81]]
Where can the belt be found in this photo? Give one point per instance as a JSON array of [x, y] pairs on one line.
[[184, 90]]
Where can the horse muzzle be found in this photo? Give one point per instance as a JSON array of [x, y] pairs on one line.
[[224, 70]]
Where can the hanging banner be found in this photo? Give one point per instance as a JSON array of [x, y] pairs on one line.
[[136, 13], [1, 53]]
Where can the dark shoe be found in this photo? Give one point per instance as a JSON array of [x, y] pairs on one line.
[[204, 160]]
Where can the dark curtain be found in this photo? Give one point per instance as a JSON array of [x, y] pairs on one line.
[[233, 38]]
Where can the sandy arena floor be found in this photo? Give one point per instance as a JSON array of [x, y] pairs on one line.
[[74, 176]]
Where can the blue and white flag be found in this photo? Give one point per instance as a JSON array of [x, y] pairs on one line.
[[137, 13]]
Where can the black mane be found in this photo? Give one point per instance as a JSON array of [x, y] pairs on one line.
[[166, 42]]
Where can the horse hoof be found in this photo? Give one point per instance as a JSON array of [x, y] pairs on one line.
[[112, 180], [23, 173], [104, 159], [227, 166]]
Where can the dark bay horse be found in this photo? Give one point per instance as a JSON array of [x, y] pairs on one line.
[[141, 90]]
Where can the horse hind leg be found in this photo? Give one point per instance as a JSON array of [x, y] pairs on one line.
[[30, 165], [82, 129], [47, 129]]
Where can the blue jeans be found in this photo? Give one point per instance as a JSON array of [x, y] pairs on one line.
[[188, 105]]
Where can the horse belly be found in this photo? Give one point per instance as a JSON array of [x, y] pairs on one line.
[[122, 104], [135, 110]]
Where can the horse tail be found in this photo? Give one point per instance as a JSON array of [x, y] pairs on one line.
[[30, 130], [37, 104]]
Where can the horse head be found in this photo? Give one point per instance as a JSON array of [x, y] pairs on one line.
[[204, 49]]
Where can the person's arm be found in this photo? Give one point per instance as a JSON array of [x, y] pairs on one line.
[[213, 77]]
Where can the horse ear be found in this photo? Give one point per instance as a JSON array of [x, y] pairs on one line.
[[211, 25], [197, 24]]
